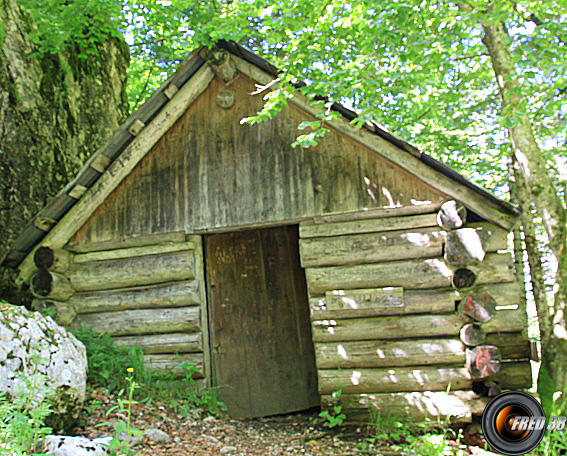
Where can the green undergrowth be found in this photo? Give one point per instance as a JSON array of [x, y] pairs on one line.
[[108, 363]]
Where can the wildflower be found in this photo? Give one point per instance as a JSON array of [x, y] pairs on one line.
[[130, 369]]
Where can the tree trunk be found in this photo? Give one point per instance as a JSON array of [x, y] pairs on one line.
[[55, 110], [533, 171]]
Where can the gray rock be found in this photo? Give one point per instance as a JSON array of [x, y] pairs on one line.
[[57, 445], [36, 350], [132, 440], [157, 436], [228, 449]]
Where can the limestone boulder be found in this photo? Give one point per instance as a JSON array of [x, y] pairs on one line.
[[39, 357]]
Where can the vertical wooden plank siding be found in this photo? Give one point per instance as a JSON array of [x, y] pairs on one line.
[[210, 171]]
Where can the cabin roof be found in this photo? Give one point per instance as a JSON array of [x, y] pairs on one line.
[[55, 210]]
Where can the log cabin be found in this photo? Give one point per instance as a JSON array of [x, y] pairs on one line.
[[361, 265]]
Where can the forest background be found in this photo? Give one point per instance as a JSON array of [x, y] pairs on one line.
[[479, 84]]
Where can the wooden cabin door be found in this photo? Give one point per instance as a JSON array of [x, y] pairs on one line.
[[262, 352]]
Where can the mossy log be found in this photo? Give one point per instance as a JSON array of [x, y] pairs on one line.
[[425, 273], [452, 215], [385, 353], [472, 334], [134, 271], [483, 361], [381, 301], [173, 294], [57, 260], [51, 285], [173, 363], [412, 407], [132, 322], [62, 312], [164, 343], [398, 327]]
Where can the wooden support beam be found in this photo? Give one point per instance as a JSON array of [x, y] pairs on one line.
[[44, 223], [420, 273], [164, 343], [389, 353], [133, 271], [57, 260], [170, 91], [173, 294], [137, 322], [368, 225], [100, 163], [452, 215], [221, 63], [371, 247], [363, 303], [51, 285], [399, 327], [410, 407], [120, 168]]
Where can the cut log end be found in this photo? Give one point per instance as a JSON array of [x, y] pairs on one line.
[[472, 335], [483, 361], [44, 258], [463, 278], [452, 215], [480, 307], [42, 283]]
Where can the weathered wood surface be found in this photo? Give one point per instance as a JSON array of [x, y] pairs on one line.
[[252, 168], [384, 353], [511, 345], [424, 273], [368, 226], [480, 307], [164, 343], [173, 362], [483, 361], [452, 215], [414, 301], [221, 63], [132, 322], [371, 247], [411, 163], [374, 298], [80, 213], [514, 375], [62, 312], [51, 285], [504, 294], [472, 334], [410, 407], [57, 260], [116, 254], [129, 242], [373, 213], [398, 327], [131, 272], [174, 294], [394, 379]]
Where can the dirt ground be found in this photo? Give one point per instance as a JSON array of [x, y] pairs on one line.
[[197, 434]]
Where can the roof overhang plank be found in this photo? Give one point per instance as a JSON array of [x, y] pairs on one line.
[[455, 190], [121, 167]]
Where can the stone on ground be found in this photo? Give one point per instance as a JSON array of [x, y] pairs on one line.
[[57, 445]]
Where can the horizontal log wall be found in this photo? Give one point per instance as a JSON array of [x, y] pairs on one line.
[[386, 316], [150, 295]]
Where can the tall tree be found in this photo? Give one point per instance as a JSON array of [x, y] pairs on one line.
[[59, 100]]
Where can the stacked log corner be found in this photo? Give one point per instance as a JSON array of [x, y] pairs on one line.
[[386, 298], [151, 297]]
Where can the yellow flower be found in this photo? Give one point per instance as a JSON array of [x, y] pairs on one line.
[[130, 369]]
